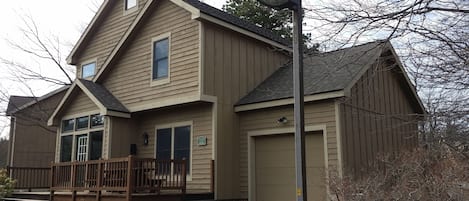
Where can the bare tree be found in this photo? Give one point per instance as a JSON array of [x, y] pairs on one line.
[[43, 48], [42, 63], [432, 39]]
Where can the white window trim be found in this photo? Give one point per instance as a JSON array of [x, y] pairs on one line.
[[172, 126], [166, 80], [95, 61], [130, 10], [76, 133]]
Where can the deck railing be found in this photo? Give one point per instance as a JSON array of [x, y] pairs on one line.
[[128, 175], [30, 177]]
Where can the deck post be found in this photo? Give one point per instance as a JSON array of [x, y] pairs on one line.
[[183, 182], [72, 180], [51, 182], [9, 171], [212, 176], [99, 180], [130, 182]]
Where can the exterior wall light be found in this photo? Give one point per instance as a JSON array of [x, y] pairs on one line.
[[282, 120], [145, 138]]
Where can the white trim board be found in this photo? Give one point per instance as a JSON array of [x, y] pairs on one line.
[[289, 101]]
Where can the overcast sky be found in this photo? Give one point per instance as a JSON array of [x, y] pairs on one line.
[[63, 18]]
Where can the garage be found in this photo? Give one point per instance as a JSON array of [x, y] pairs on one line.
[[274, 160]]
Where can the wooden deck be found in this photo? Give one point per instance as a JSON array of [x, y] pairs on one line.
[[128, 178]]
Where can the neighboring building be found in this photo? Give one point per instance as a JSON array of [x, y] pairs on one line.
[[32, 142], [175, 79]]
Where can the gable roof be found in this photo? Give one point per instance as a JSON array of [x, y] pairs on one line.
[[104, 96], [107, 103], [198, 9], [18, 103], [326, 72], [332, 73]]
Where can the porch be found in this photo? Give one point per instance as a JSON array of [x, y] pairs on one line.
[[128, 178]]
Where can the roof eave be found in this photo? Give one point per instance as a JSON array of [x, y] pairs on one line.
[[71, 57], [289, 101], [243, 31], [407, 79]]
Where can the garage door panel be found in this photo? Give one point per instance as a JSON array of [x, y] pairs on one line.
[[276, 159], [275, 167], [270, 192], [270, 176]]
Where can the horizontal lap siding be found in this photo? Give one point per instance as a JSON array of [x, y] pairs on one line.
[[81, 103], [377, 118], [201, 117], [107, 35], [129, 79], [317, 113]]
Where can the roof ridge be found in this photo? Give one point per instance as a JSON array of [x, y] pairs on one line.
[[249, 26], [378, 42]]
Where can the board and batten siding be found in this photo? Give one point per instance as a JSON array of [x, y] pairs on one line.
[[316, 113], [200, 115], [106, 37], [123, 134], [34, 145], [233, 65], [129, 79], [377, 118]]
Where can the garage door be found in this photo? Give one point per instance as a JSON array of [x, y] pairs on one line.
[[275, 169]]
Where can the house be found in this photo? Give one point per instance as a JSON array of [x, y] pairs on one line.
[[180, 80], [31, 148], [31, 140]]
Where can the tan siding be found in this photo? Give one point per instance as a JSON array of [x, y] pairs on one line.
[[122, 135], [129, 79], [201, 117], [234, 65], [377, 118], [228, 54], [34, 140], [107, 35], [81, 103], [318, 113]]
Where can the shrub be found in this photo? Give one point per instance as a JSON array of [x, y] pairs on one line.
[[6, 184], [422, 174]]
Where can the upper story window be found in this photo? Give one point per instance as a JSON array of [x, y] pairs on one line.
[[161, 59], [129, 4], [88, 70]]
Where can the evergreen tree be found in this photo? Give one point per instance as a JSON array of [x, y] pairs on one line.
[[279, 21]]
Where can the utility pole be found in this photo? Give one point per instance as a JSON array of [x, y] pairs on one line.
[[298, 91]]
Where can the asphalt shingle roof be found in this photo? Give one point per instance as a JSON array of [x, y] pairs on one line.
[[16, 102], [324, 72], [224, 16], [105, 97]]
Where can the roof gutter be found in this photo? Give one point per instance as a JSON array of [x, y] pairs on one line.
[[289, 101]]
